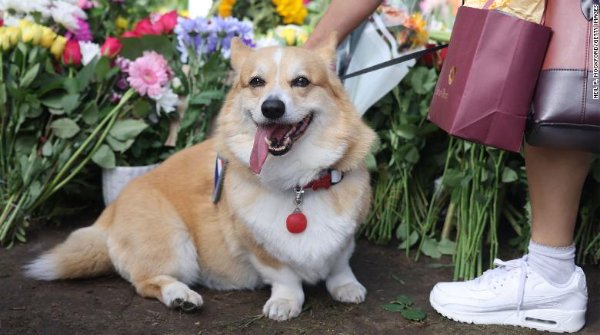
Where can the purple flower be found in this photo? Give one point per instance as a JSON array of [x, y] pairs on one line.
[[203, 37], [83, 32], [123, 63]]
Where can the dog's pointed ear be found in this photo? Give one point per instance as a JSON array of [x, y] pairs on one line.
[[328, 48], [239, 52]]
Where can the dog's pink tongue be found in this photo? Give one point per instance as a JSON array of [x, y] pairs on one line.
[[260, 150]]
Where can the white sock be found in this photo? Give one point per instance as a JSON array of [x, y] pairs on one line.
[[555, 264]]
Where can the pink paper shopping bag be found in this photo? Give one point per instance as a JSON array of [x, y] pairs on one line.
[[488, 78]]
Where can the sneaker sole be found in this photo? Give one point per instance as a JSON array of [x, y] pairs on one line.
[[552, 320]]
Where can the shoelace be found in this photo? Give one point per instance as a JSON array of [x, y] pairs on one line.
[[515, 264]]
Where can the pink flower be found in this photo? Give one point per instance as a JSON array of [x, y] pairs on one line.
[[148, 74], [167, 22], [86, 4], [111, 47], [83, 32]]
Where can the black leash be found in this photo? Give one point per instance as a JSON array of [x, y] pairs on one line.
[[394, 61]]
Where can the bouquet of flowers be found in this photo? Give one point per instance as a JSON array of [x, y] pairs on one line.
[[265, 14], [138, 88]]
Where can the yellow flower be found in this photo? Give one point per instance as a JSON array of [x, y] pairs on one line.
[[418, 24], [47, 38], [122, 23], [14, 35], [289, 35], [4, 39], [183, 13], [32, 33], [302, 37], [226, 7], [292, 11], [58, 47], [25, 23]]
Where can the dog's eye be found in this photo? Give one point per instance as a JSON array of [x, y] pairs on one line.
[[300, 82], [257, 82]]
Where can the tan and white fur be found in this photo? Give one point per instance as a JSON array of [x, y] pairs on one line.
[[163, 233]]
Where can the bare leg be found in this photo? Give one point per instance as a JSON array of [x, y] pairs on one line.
[[555, 180]]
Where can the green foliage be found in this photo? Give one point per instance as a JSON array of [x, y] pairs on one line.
[[404, 305], [449, 197], [44, 141]]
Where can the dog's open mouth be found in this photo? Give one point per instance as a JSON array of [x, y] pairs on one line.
[[276, 139]]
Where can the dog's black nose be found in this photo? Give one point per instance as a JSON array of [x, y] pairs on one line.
[[273, 108]]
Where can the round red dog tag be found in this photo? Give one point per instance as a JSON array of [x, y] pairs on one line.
[[296, 222]]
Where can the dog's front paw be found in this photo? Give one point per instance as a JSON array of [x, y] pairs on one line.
[[179, 296], [349, 293], [282, 309]]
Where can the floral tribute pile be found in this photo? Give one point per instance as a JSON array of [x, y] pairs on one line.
[[104, 82]]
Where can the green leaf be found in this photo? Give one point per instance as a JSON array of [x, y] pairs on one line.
[[405, 131], [47, 149], [119, 146], [2, 93], [135, 47], [33, 112], [447, 247], [141, 108], [205, 97], [24, 144], [124, 130], [393, 307], [90, 114], [64, 128], [509, 175], [104, 157], [70, 102], [71, 85], [412, 156], [56, 111], [403, 300], [410, 241], [30, 75], [54, 101], [85, 75], [102, 68], [430, 249], [453, 178], [413, 314]]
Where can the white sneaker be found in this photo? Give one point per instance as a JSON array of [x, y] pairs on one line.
[[513, 294]]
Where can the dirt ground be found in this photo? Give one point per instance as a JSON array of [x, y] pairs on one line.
[[109, 305]]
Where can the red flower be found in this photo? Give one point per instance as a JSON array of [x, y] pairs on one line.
[[434, 59], [166, 23], [145, 27], [111, 47], [129, 34], [72, 53]]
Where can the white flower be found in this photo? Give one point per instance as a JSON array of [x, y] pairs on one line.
[[89, 51], [268, 41], [41, 6], [167, 101], [176, 83], [66, 14], [20, 6]]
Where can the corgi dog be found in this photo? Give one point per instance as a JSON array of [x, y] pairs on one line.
[[292, 192]]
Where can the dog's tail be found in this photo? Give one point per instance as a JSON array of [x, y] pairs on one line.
[[83, 254]]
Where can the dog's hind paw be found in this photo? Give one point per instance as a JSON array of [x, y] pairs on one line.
[[178, 296], [281, 309], [353, 293]]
